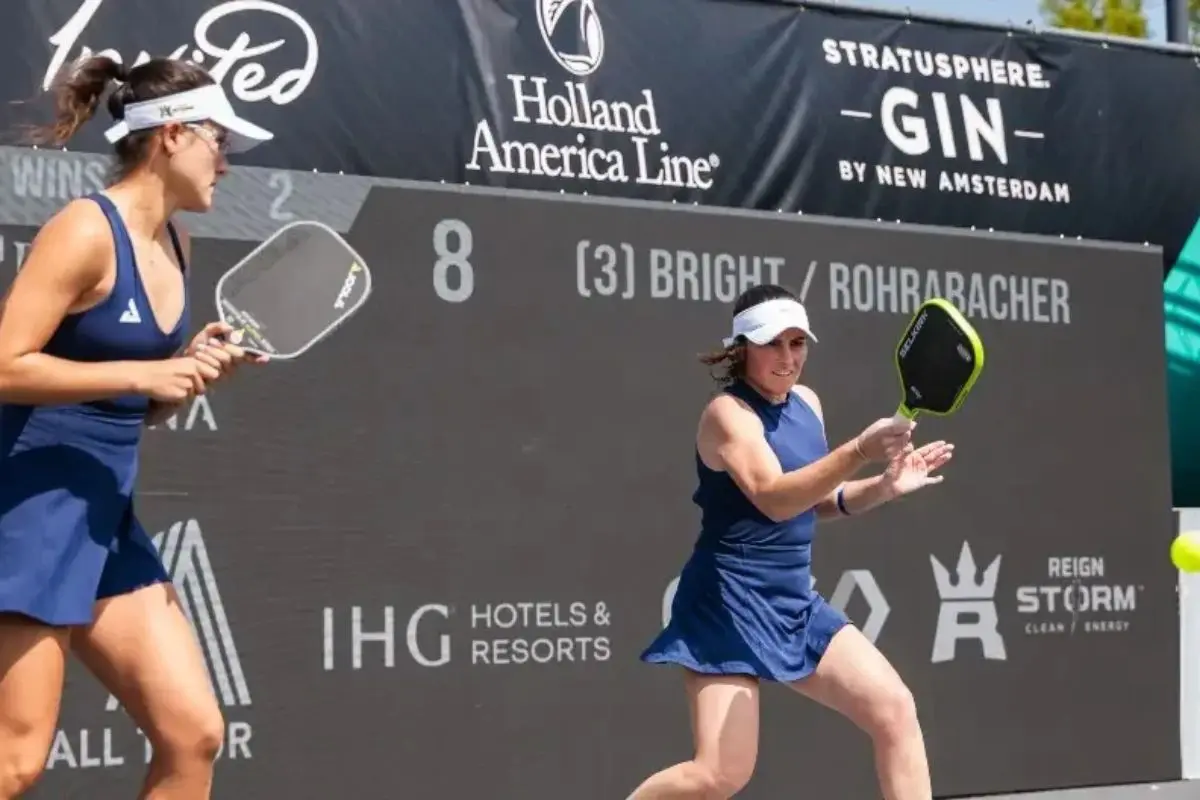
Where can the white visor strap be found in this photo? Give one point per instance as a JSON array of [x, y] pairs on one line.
[[194, 105], [205, 104], [763, 322]]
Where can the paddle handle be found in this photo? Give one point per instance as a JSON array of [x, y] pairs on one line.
[[904, 415]]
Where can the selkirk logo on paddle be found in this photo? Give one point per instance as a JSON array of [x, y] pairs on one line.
[[593, 139]]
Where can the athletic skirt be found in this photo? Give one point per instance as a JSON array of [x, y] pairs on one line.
[[68, 533], [747, 614]]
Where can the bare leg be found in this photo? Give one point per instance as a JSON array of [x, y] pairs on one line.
[[142, 648], [724, 711], [32, 664], [857, 681]]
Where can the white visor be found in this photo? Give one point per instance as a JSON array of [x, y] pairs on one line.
[[763, 322], [206, 104]]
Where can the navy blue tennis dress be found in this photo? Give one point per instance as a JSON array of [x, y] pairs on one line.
[[745, 603], [68, 534]]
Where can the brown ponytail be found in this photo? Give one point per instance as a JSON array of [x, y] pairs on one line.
[[77, 92], [727, 364], [79, 88]]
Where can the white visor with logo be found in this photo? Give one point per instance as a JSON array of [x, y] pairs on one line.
[[763, 322], [206, 104]]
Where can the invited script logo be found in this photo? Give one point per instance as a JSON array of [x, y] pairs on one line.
[[239, 60]]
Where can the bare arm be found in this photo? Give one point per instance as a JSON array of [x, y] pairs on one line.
[[66, 262], [858, 496], [731, 438]]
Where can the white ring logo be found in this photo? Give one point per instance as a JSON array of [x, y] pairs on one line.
[[591, 35]]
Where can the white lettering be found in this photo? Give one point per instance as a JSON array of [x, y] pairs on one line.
[[86, 752], [708, 277], [248, 80], [910, 133], [651, 162], [413, 631], [1075, 567], [927, 63], [237, 741], [347, 286], [386, 637], [526, 615], [514, 652], [56, 176], [198, 413], [1077, 598], [1005, 188], [901, 290]]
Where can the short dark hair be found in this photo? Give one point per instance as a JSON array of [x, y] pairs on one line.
[[728, 364], [79, 88]]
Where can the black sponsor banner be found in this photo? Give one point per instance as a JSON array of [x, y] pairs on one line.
[[444, 536], [828, 111]]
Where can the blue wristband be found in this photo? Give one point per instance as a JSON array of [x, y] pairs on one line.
[[841, 500]]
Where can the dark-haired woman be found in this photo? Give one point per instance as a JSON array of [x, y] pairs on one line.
[[92, 348], [744, 610]]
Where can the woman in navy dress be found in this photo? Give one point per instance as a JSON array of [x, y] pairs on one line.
[[93, 348], [745, 610]]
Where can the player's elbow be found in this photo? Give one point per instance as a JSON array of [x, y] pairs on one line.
[[776, 514], [770, 504], [779, 504], [8, 377], [18, 378]]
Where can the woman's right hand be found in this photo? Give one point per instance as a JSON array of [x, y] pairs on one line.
[[884, 439], [173, 380]]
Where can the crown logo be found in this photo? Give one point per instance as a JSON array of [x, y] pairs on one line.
[[968, 587]]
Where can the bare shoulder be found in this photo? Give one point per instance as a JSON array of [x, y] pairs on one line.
[[81, 220], [727, 424], [726, 415], [76, 240], [809, 396]]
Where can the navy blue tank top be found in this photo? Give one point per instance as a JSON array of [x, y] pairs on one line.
[[728, 519], [122, 326]]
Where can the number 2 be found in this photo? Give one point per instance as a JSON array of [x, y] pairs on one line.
[[283, 182], [456, 259]]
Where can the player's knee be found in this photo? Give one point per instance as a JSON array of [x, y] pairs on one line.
[[893, 713], [723, 778], [21, 764], [196, 739], [209, 736]]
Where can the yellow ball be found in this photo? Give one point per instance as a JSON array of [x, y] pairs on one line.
[[1185, 551]]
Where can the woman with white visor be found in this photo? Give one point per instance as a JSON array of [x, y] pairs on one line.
[[93, 347], [745, 610]]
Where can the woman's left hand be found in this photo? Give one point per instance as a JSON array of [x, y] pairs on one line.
[[212, 346], [912, 469]]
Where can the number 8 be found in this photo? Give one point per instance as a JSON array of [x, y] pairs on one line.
[[456, 259]]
